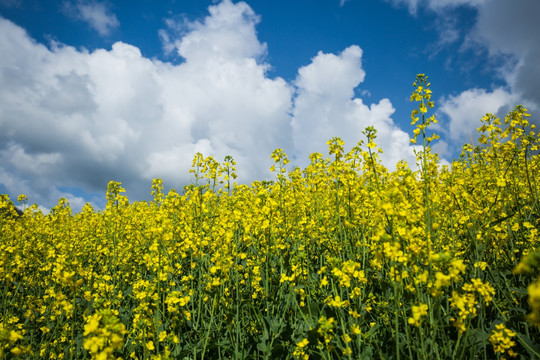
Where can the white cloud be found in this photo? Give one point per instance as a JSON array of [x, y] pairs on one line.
[[35, 164], [227, 33], [73, 119], [79, 119], [441, 5], [324, 107], [466, 109], [436, 5], [411, 4], [507, 32], [511, 28], [96, 14]]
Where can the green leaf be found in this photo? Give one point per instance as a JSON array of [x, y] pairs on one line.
[[533, 348]]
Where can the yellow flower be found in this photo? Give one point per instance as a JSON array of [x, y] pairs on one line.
[[104, 333], [92, 324], [481, 264], [324, 281], [534, 301], [302, 343], [336, 301], [442, 280], [162, 336], [14, 336], [418, 313], [300, 351], [501, 339]]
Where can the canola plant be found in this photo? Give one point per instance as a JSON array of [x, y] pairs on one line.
[[344, 259]]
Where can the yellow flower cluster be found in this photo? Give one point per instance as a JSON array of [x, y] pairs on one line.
[[10, 338], [530, 265], [418, 312], [299, 351], [344, 258], [104, 333], [326, 330], [534, 301], [501, 338]]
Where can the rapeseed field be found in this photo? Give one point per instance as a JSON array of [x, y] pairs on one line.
[[344, 259]]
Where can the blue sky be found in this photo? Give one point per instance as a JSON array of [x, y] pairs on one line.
[[92, 91]]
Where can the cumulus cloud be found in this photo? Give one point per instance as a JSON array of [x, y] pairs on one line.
[[325, 107], [72, 120], [507, 32], [466, 109], [511, 28], [96, 14]]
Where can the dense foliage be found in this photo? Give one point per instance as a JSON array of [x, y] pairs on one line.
[[344, 259]]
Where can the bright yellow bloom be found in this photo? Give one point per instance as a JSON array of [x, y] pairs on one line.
[[534, 301], [501, 339], [302, 343], [418, 313]]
